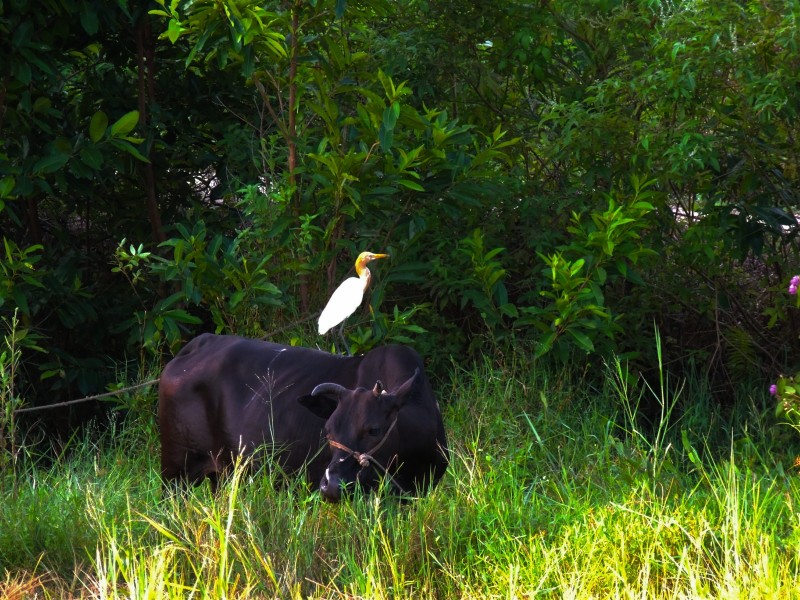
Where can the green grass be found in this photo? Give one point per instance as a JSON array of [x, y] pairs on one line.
[[554, 491]]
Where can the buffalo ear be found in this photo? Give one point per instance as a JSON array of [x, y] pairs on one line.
[[406, 387], [323, 399], [400, 395]]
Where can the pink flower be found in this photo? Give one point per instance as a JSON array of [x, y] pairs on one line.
[[773, 389], [794, 284]]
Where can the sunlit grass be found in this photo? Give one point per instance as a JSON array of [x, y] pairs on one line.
[[553, 491]]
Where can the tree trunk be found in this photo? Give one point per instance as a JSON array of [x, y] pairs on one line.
[[305, 296], [146, 67]]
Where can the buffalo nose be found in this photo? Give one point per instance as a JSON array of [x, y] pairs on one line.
[[330, 490]]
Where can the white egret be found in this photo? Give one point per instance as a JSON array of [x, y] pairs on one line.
[[349, 295]]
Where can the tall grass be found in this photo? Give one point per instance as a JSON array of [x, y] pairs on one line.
[[555, 490]]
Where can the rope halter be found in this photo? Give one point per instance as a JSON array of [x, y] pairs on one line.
[[364, 458]]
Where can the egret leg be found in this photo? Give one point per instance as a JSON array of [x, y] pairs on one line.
[[344, 341]]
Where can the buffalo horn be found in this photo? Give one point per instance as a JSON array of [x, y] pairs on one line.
[[333, 389]]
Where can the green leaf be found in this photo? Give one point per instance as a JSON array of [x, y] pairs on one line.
[[22, 34], [415, 328], [412, 185], [98, 125], [6, 186], [582, 340], [576, 267], [21, 300], [89, 19], [390, 115], [173, 30], [42, 105], [182, 316], [51, 373], [21, 71], [236, 298], [386, 137], [50, 163], [546, 344], [689, 449], [130, 149], [509, 310], [125, 124], [92, 157]]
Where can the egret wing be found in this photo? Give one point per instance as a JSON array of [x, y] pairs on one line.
[[343, 303]]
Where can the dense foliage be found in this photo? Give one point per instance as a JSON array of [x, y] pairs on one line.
[[559, 178]]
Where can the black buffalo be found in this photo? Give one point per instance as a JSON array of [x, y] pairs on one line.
[[347, 419]]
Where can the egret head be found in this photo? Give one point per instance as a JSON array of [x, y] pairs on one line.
[[364, 258]]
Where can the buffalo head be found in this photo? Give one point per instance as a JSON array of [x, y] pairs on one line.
[[361, 429]]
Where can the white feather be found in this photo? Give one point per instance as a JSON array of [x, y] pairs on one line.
[[343, 303]]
